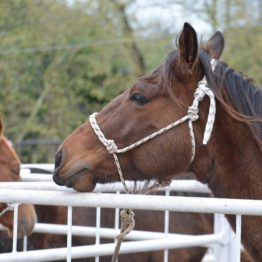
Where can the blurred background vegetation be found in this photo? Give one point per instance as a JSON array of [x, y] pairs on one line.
[[61, 60]]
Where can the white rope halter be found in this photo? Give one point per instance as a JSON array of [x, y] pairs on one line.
[[192, 115]]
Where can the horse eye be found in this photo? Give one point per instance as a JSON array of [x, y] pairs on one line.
[[139, 99]]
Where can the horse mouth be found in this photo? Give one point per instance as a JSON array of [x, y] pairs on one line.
[[71, 180]]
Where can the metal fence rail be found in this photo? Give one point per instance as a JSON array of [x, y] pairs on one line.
[[226, 246], [143, 202]]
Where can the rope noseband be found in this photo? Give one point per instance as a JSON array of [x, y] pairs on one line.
[[192, 115]]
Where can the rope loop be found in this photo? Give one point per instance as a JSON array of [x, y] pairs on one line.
[[214, 63], [127, 222], [201, 91], [192, 112]]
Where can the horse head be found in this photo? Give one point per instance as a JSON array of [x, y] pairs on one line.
[[10, 172], [153, 103]]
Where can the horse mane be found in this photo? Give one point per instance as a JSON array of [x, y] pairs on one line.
[[239, 96]]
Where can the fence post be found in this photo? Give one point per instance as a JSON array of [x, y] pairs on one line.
[[237, 241], [98, 223], [15, 228], [69, 232], [224, 252], [166, 225], [24, 243]]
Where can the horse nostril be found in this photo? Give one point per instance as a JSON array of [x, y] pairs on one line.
[[58, 159]]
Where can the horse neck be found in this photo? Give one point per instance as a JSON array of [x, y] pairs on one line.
[[237, 159], [237, 169]]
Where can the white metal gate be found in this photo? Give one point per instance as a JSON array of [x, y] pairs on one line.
[[226, 247]]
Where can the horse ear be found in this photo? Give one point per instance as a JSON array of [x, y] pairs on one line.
[[215, 45], [188, 46]]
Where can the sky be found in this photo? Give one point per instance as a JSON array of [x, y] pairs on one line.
[[172, 17], [166, 14]]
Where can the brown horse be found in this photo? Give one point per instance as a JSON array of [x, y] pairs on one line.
[[234, 148], [10, 171]]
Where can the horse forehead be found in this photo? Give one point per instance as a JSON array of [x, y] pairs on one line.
[[148, 88], [146, 83]]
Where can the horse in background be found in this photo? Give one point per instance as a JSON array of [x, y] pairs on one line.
[[182, 223], [167, 122], [10, 172]]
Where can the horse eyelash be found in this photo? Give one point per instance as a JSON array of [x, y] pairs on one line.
[[139, 99]]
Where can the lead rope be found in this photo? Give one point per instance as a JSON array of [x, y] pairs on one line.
[[127, 215], [127, 225]]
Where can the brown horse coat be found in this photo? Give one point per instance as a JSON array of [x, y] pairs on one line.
[[10, 171]]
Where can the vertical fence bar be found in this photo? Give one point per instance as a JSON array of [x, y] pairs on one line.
[[238, 238], [69, 233], [224, 252], [166, 229], [25, 243], [117, 210], [217, 229], [15, 228], [98, 222]]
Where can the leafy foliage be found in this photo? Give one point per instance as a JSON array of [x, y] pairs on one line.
[[61, 60]]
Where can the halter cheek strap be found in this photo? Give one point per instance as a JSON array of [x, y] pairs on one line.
[[192, 115]]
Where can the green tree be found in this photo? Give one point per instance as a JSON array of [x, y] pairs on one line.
[[59, 62]]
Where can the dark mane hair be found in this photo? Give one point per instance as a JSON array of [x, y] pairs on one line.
[[229, 86], [239, 96]]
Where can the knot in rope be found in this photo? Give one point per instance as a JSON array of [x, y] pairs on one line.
[[192, 112], [111, 146], [127, 225], [214, 63], [201, 91], [108, 143], [127, 222]]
